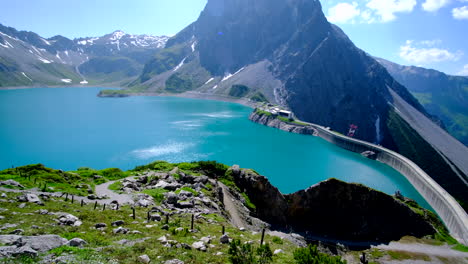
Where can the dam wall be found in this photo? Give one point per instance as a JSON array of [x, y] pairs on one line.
[[448, 209]]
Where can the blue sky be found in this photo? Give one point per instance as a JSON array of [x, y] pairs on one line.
[[427, 33]]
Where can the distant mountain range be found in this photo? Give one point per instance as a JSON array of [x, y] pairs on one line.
[[27, 59], [441, 95], [283, 52]]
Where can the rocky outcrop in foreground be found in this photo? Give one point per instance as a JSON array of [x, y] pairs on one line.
[[333, 210]]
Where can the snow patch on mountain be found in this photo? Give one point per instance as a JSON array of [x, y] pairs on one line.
[[44, 60], [24, 74], [180, 65], [66, 80], [46, 41], [210, 80]]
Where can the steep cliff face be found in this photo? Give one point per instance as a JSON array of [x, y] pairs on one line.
[[333, 210], [304, 63], [442, 95]]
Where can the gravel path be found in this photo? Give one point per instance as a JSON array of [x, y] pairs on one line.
[[103, 189], [231, 208]]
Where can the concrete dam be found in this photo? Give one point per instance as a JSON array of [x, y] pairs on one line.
[[448, 209]]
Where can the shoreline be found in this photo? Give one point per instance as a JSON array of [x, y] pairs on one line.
[[203, 96], [189, 94], [7, 88]]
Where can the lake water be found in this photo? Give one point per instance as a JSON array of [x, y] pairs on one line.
[[67, 128]]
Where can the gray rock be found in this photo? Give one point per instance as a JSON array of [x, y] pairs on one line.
[[120, 230], [22, 205], [29, 197], [118, 223], [42, 212], [8, 239], [144, 203], [199, 246], [11, 183], [155, 217], [3, 195], [224, 239], [162, 184], [144, 259], [184, 204], [92, 197], [8, 225], [185, 178], [173, 186], [24, 251], [77, 242], [100, 225], [165, 227], [69, 219], [201, 179], [41, 243], [185, 246], [7, 251], [171, 198], [184, 195], [174, 261], [206, 240]]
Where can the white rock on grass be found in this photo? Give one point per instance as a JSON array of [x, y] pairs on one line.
[[278, 251], [199, 246], [174, 261], [144, 259]]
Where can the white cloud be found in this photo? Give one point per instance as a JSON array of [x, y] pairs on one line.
[[414, 53], [343, 12], [431, 43], [434, 5], [464, 72], [386, 9], [460, 12]]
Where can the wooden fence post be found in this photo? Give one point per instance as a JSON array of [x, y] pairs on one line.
[[263, 236]]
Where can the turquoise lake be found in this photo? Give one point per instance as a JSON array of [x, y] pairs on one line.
[[67, 128]]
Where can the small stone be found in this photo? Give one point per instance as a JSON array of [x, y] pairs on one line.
[[242, 229], [174, 261], [162, 239], [22, 205], [144, 259], [42, 212], [3, 195], [205, 240], [118, 223], [165, 227], [35, 227], [224, 239], [120, 230], [199, 246], [17, 232], [278, 251], [219, 253], [77, 242], [100, 225]]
